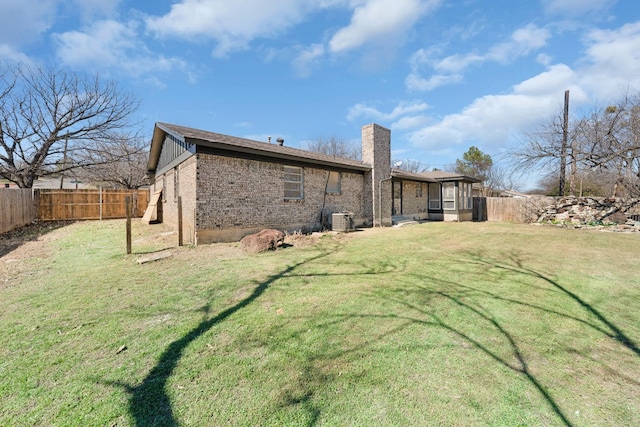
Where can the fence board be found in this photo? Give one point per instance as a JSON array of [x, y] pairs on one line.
[[16, 208], [89, 204], [511, 209]]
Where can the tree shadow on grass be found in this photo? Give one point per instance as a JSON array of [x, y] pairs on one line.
[[149, 402], [607, 327], [431, 318], [459, 293], [456, 293]]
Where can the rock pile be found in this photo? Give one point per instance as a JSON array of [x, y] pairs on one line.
[[578, 212]]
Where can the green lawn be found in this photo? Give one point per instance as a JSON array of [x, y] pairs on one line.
[[430, 324]]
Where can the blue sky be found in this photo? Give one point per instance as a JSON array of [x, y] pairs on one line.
[[441, 74]]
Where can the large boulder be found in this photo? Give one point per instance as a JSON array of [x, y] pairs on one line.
[[264, 240]]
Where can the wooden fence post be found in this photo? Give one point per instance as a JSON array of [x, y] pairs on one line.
[[128, 208]]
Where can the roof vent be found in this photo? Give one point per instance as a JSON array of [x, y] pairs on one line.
[[280, 141], [269, 139]]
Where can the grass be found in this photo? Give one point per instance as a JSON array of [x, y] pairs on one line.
[[432, 324]]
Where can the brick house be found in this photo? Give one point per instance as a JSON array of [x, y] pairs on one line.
[[230, 187]]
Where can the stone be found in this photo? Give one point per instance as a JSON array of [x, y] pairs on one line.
[[590, 212], [265, 240]]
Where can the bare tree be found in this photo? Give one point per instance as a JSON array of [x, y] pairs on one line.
[[334, 146], [121, 164], [614, 133], [543, 148], [50, 119], [410, 165]]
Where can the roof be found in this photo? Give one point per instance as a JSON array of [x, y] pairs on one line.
[[234, 144], [243, 145], [450, 176], [434, 176], [413, 176]]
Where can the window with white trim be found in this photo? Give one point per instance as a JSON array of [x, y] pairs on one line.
[[449, 196], [293, 183], [434, 196], [334, 183]]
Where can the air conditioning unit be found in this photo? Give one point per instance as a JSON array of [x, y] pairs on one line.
[[342, 221]]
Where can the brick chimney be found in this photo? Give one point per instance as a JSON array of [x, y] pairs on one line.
[[376, 151]]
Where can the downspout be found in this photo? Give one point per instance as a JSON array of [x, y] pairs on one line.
[[380, 198], [324, 200]]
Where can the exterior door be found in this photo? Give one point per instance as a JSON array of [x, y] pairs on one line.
[[397, 198]]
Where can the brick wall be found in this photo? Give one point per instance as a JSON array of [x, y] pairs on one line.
[[186, 174], [414, 202], [238, 196]]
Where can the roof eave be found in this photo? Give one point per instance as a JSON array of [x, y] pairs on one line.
[[411, 177], [278, 155]]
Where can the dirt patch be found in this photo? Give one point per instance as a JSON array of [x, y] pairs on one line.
[[22, 244], [11, 240]]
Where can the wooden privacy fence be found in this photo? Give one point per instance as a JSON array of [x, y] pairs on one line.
[[508, 209], [89, 204], [16, 208]]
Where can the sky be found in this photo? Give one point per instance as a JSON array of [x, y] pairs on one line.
[[443, 75]]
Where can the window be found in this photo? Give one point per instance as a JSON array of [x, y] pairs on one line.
[[293, 183], [466, 201], [333, 182], [449, 196], [434, 196]]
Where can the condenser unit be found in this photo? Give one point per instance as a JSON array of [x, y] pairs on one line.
[[342, 221]]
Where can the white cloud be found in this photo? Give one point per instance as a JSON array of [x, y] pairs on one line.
[[307, 58], [25, 21], [494, 119], [573, 8], [411, 122], [457, 63], [111, 45], [544, 59], [610, 64], [378, 19], [613, 60], [523, 41], [7, 53], [232, 24], [449, 69], [92, 8], [415, 81], [404, 108], [22, 22], [405, 116]]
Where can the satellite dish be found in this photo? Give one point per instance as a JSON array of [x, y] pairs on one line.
[[397, 164]]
